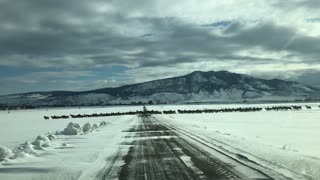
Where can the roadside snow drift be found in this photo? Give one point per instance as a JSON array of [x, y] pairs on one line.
[[5, 153], [72, 129]]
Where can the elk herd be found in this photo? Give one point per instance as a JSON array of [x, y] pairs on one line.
[[179, 111]]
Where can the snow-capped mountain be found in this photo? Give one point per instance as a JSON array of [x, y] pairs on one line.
[[212, 86]]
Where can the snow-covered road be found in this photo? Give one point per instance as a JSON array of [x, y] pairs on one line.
[[159, 152]]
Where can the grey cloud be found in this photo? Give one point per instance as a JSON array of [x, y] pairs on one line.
[[310, 77], [74, 34], [313, 20], [36, 77], [234, 27], [277, 38], [89, 40], [266, 35], [219, 24], [294, 4]]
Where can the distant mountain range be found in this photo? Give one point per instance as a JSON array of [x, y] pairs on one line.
[[212, 86]]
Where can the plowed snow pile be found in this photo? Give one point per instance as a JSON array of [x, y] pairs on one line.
[[70, 154]]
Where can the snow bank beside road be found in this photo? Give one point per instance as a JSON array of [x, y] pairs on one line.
[[68, 157], [72, 129], [5, 153], [284, 141], [23, 125], [43, 141]]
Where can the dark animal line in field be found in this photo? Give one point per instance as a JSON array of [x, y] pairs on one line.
[[179, 111]]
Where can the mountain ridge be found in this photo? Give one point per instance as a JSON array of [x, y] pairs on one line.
[[198, 86]]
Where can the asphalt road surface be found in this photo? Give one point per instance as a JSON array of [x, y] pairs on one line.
[[152, 150]]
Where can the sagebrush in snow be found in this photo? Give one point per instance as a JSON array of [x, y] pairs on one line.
[[38, 144], [103, 123], [45, 139], [72, 129], [5, 153], [28, 148], [76, 125], [41, 141], [51, 136], [87, 127], [94, 126]]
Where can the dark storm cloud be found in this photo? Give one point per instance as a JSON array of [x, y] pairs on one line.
[[81, 34], [75, 29], [219, 24], [147, 35], [234, 27], [310, 77], [276, 38]]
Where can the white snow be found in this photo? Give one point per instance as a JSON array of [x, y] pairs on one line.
[[72, 129], [68, 157], [285, 141], [301, 86], [41, 142], [28, 148], [18, 126], [5, 153], [38, 96], [44, 139]]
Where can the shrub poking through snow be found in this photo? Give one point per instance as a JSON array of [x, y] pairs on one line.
[[94, 126], [103, 123], [76, 125], [51, 137], [87, 127], [41, 141], [5, 153], [28, 148], [38, 144], [45, 139], [72, 129]]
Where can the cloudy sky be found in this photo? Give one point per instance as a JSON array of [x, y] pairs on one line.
[[82, 45]]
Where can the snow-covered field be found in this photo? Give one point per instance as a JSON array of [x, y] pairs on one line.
[[21, 125], [287, 141]]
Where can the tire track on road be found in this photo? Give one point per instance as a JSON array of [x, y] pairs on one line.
[[160, 152]]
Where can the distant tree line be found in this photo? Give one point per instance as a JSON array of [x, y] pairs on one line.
[[134, 103], [5, 107]]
